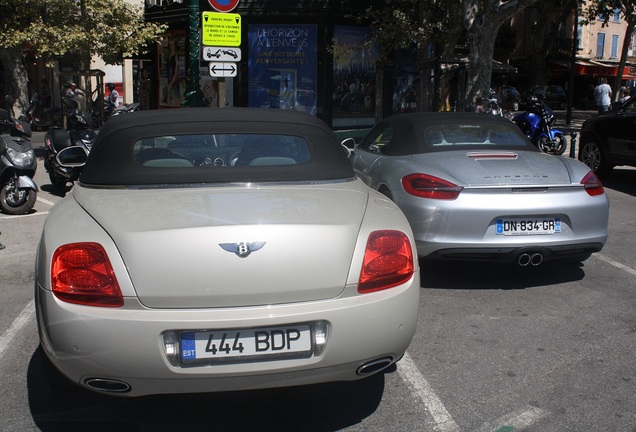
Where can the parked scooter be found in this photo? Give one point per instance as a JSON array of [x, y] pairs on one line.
[[79, 132], [17, 164], [537, 123], [40, 118]]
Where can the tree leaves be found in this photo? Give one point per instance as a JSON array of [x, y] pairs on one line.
[[111, 29]]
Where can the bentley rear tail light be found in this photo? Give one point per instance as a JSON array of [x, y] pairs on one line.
[[428, 186], [592, 184], [388, 261], [81, 273]]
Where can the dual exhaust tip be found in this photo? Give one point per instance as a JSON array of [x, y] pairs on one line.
[[530, 258]]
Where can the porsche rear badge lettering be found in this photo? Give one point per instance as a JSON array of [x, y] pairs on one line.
[[242, 249]]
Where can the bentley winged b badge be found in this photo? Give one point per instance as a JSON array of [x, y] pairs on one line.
[[242, 249]]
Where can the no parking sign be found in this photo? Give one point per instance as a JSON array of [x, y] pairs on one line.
[[223, 5]]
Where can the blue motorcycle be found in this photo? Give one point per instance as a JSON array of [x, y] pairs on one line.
[[536, 124]]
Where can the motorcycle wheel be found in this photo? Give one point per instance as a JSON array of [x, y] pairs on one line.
[[14, 201], [556, 147], [57, 183], [560, 143]]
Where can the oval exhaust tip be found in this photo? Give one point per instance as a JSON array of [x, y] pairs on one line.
[[536, 259], [107, 385], [374, 366]]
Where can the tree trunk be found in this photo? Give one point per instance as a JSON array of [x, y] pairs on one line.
[[16, 78], [482, 20]]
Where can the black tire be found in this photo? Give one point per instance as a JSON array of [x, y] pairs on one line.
[[593, 155], [57, 183], [15, 201], [560, 144], [556, 148]]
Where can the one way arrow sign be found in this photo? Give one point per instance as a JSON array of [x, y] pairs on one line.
[[223, 69]]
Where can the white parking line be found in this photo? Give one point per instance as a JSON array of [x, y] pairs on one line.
[[615, 263], [407, 369], [23, 319], [26, 215], [47, 202]]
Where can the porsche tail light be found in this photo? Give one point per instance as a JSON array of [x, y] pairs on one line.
[[427, 186], [81, 273], [592, 184], [388, 261]]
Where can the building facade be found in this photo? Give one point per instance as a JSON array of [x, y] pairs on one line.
[[306, 55]]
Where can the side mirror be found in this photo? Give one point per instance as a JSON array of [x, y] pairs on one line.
[[72, 157]]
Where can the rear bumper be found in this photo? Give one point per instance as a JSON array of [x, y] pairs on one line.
[[125, 345], [509, 255]]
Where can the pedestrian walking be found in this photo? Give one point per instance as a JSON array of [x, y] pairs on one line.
[[603, 96]]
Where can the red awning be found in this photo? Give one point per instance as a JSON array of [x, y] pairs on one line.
[[592, 68]]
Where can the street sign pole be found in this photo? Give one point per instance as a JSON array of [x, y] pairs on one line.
[[193, 95]]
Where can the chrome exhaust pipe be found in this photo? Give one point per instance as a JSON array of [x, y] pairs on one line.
[[524, 259], [374, 366], [536, 259], [107, 385]]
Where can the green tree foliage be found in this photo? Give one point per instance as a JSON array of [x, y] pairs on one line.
[[110, 29]]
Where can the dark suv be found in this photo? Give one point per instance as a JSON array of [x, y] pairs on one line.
[[553, 95], [609, 139]]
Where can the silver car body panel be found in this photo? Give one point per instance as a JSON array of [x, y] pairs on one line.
[[497, 184]]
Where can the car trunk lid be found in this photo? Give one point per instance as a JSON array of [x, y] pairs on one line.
[[232, 246], [499, 168]]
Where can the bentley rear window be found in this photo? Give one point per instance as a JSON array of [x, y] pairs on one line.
[[221, 150]]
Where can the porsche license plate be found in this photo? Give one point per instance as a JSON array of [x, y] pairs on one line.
[[528, 226], [246, 345]]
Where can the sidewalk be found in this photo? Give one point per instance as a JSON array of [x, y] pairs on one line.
[[577, 120]]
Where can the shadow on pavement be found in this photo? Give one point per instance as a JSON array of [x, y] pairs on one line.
[[621, 180], [57, 405], [479, 275]]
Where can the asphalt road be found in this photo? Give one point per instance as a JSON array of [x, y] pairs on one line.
[[497, 349]]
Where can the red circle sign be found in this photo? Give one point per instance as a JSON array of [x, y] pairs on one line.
[[223, 5]]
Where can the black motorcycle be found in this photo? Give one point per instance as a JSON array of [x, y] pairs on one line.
[[17, 164], [79, 132], [40, 117]]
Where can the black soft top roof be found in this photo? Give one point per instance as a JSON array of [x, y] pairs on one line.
[[409, 135], [111, 161]]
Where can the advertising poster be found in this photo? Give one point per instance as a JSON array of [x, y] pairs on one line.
[[282, 66], [354, 59], [172, 68]]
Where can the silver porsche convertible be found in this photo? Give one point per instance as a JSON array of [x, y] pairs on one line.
[[474, 188], [222, 249]]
